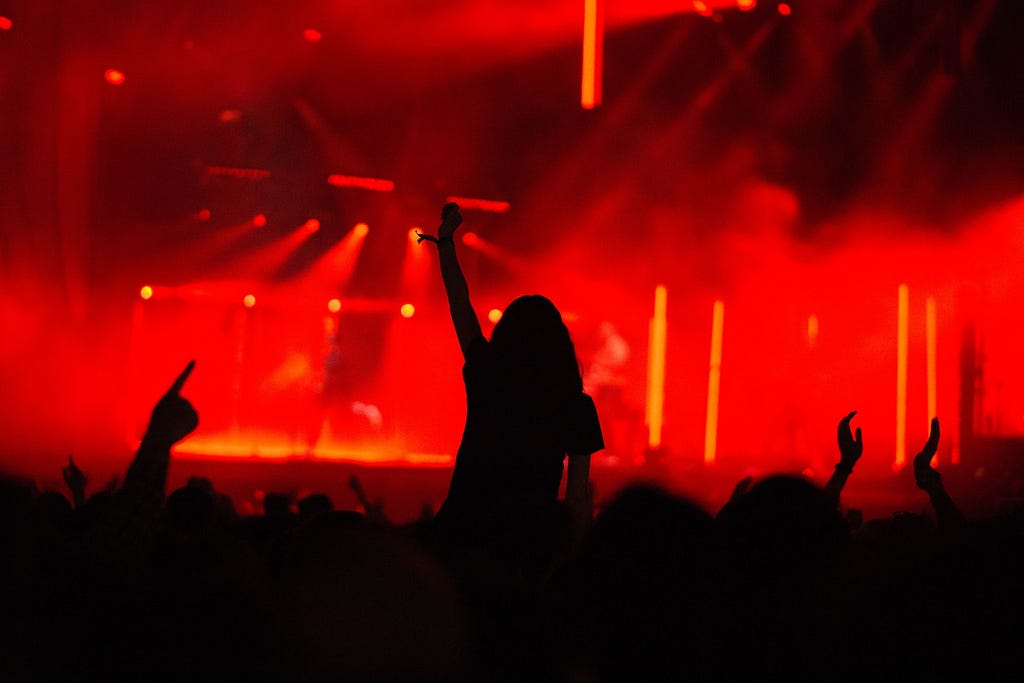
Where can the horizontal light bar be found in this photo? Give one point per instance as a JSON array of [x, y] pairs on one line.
[[480, 204], [374, 184], [233, 172]]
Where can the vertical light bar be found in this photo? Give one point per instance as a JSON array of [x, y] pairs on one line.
[[593, 39], [902, 313], [931, 334], [656, 368], [714, 383]]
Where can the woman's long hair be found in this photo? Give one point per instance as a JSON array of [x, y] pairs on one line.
[[533, 345]]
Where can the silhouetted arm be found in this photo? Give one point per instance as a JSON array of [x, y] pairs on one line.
[[850, 450], [172, 420], [75, 480], [467, 326], [578, 496], [928, 480], [374, 511]]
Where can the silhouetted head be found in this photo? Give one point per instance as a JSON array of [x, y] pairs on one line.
[[534, 345], [313, 505], [277, 506], [190, 509], [783, 522]]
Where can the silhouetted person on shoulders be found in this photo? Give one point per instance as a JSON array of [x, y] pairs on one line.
[[526, 409]]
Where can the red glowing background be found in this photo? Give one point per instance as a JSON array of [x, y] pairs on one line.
[[238, 184]]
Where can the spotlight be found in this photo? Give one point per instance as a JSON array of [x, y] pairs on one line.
[[413, 237], [361, 229], [494, 315], [259, 220], [408, 310], [470, 239], [6, 24], [746, 5], [203, 215], [146, 292], [334, 305], [701, 8], [249, 301], [312, 225], [312, 35], [784, 9], [113, 76]]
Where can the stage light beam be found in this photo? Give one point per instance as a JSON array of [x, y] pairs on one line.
[[714, 383], [334, 305], [902, 335], [408, 310], [146, 292], [259, 221], [249, 301], [494, 315], [113, 76]]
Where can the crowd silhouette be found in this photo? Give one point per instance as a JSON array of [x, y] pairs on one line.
[[506, 581]]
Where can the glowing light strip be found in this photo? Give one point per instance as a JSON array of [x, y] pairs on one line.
[[593, 28], [931, 333], [243, 173], [656, 368], [373, 184], [714, 382], [490, 205], [902, 313]]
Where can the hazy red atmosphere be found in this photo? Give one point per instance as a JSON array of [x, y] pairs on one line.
[[236, 182]]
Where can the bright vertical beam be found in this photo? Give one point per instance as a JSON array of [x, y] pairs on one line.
[[656, 368], [593, 38], [714, 382], [931, 333], [902, 313]]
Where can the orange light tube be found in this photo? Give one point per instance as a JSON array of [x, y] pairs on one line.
[[656, 368], [714, 383], [593, 29], [902, 313], [931, 332]]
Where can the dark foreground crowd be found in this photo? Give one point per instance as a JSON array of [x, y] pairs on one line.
[[133, 584]]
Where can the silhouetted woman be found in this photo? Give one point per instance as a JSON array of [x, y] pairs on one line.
[[526, 411]]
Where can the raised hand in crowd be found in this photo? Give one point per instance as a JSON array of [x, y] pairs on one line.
[[850, 449], [930, 481], [374, 510], [173, 416], [173, 419], [75, 479]]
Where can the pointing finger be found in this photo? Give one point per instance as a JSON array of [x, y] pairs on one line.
[[182, 378]]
